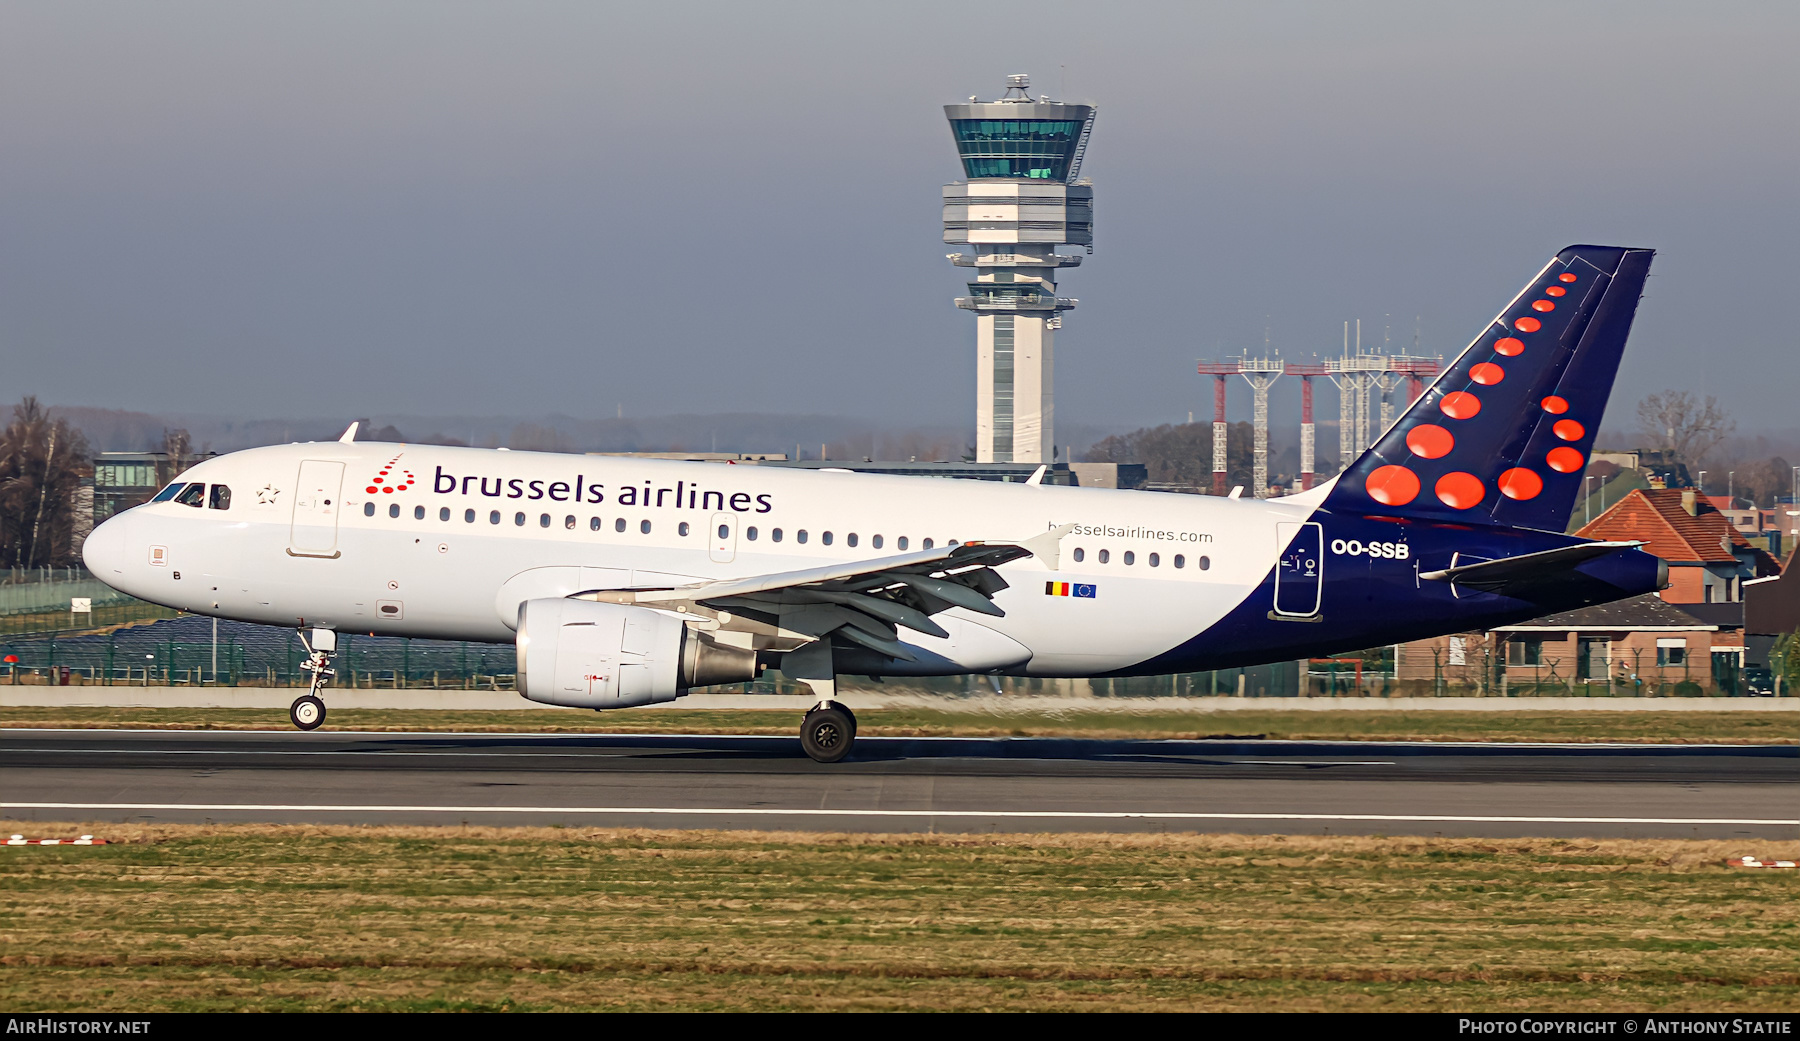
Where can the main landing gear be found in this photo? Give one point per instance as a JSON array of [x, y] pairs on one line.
[[308, 710], [828, 731], [829, 728]]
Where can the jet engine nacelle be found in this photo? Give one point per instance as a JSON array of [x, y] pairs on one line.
[[591, 655]]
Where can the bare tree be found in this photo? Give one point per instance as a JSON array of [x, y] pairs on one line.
[[41, 462], [1681, 423], [1178, 453], [180, 450]]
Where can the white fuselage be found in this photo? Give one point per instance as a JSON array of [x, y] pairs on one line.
[[311, 538]]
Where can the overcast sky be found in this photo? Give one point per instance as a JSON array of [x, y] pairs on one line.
[[369, 208]]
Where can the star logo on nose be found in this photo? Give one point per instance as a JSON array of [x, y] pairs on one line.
[[265, 496]]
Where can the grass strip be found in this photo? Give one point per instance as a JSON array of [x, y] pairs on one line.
[[1345, 725], [270, 917]]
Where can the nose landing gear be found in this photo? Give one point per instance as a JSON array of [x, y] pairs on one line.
[[308, 710]]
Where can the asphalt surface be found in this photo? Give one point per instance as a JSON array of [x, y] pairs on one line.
[[903, 784]]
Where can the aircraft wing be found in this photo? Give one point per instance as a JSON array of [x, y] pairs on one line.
[[1494, 576], [864, 601]]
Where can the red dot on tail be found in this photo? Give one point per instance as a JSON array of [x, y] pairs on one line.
[[1527, 324], [1429, 441], [1543, 305], [1459, 490], [1520, 483], [1566, 276], [1511, 346], [373, 489], [1555, 406], [1460, 404], [1487, 373], [1569, 430], [1556, 291], [1392, 485], [1564, 460]]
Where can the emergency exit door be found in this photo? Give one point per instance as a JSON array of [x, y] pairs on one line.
[[316, 507], [724, 537]]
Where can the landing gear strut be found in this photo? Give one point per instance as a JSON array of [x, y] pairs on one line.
[[308, 710], [829, 728]]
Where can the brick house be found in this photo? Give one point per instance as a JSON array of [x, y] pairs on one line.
[[1690, 635]]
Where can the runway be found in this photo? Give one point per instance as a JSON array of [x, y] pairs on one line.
[[902, 784]]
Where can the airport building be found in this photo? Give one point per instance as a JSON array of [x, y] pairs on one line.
[[1023, 196]]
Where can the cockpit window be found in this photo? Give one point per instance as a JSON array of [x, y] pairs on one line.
[[221, 497], [193, 495], [170, 492]]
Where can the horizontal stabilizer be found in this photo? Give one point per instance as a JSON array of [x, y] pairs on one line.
[[1495, 576]]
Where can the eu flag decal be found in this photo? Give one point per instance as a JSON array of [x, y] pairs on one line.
[[1084, 591]]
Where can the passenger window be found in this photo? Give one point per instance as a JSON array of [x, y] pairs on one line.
[[418, 513], [221, 497], [1130, 558], [1180, 561], [953, 542], [682, 529], [619, 525], [825, 539], [519, 520], [901, 543], [593, 524], [1155, 560], [875, 541], [925, 544], [170, 492], [493, 516], [750, 533], [368, 509], [468, 516], [775, 535], [393, 509], [850, 540], [800, 536], [444, 513], [543, 520], [1203, 563], [1080, 554], [569, 522], [644, 526], [725, 531], [1105, 555], [193, 495]]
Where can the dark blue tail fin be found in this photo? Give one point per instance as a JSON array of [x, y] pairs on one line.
[[1503, 436]]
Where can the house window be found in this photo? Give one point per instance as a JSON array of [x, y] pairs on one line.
[[1524, 652], [1671, 652]]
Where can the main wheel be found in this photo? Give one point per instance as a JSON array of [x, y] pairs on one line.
[[845, 709], [307, 712], [827, 734]]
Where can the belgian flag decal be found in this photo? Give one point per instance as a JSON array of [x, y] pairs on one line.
[[1077, 589]]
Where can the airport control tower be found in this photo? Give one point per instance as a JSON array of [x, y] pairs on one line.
[[1022, 156]]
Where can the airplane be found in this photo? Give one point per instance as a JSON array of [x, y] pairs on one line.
[[626, 582]]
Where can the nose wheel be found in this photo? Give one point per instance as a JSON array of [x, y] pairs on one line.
[[828, 732], [307, 712]]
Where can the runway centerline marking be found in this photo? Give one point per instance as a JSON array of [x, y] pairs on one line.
[[743, 811]]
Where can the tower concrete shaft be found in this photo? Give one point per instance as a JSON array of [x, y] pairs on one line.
[[1022, 197]]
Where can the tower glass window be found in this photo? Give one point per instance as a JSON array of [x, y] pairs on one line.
[[1026, 149]]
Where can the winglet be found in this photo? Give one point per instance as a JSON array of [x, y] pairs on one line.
[[350, 433], [1037, 478], [1047, 547]]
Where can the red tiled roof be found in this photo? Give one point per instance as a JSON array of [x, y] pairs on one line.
[[1655, 516]]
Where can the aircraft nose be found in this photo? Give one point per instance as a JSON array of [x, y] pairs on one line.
[[104, 550]]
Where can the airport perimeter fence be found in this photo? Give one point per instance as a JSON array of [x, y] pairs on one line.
[[182, 651]]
